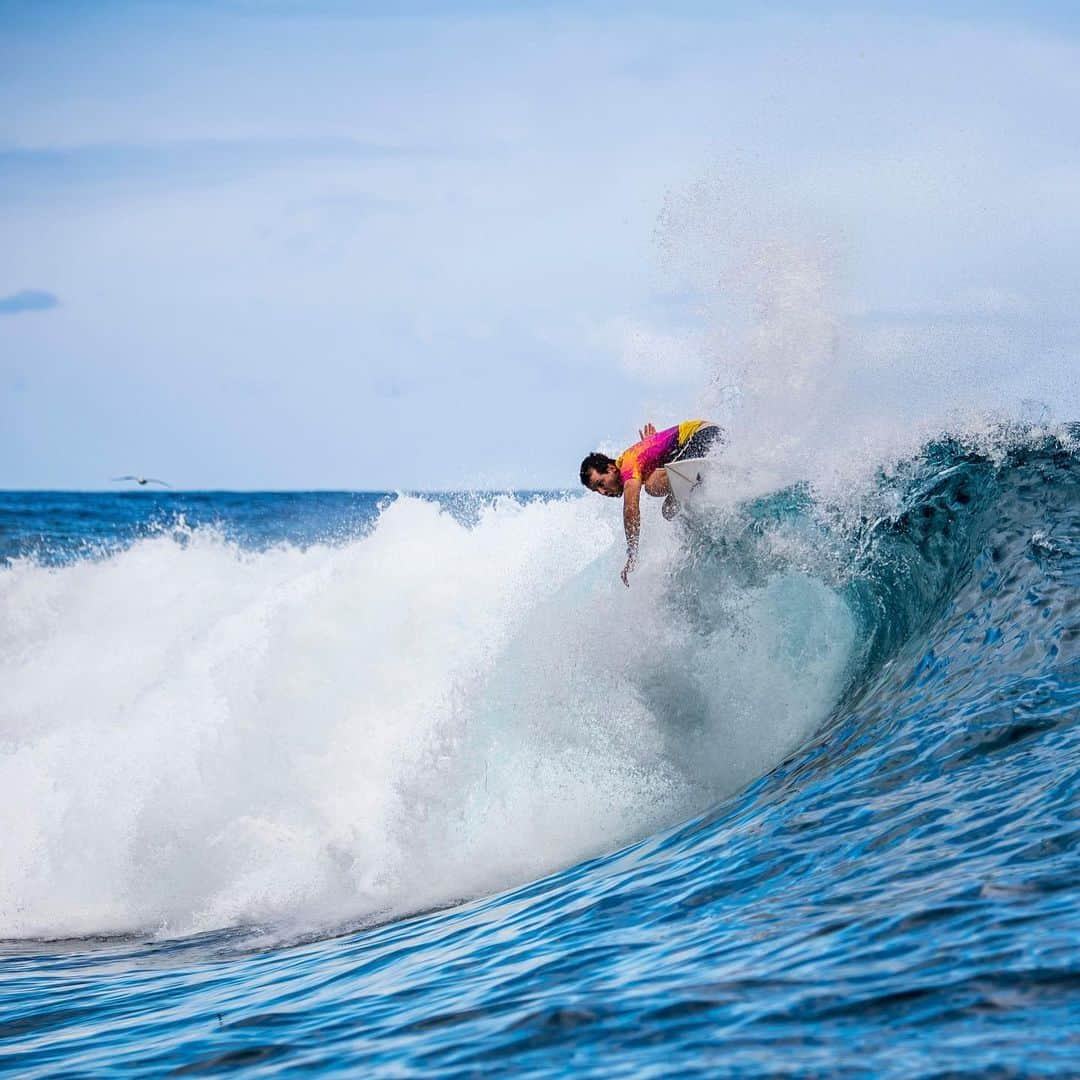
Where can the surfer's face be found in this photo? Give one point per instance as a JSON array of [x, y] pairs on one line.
[[608, 482]]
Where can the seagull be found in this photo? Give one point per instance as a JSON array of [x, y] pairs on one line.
[[142, 481]]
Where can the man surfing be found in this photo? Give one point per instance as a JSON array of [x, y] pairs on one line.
[[642, 466]]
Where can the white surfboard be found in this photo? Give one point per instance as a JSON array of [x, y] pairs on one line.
[[686, 476]]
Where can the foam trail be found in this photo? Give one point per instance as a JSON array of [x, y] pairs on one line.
[[196, 736]]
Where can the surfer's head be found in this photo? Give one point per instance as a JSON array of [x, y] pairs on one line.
[[599, 473]]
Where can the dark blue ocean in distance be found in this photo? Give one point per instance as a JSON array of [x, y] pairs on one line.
[[56, 526], [370, 784]]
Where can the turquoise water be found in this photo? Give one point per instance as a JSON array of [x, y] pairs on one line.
[[824, 822]]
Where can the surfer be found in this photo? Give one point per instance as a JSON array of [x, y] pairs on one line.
[[642, 466]]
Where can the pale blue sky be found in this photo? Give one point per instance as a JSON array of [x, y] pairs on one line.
[[279, 245]]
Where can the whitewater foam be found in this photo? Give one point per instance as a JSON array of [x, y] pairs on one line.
[[199, 736]]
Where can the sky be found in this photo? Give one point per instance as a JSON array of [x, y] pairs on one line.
[[263, 244]]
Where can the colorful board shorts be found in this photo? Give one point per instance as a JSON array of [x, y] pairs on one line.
[[690, 439]]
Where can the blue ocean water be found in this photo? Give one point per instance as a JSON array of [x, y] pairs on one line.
[[803, 802]]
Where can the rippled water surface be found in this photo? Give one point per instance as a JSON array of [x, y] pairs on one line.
[[826, 824]]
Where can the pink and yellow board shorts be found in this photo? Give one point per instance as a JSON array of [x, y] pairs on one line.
[[655, 451]]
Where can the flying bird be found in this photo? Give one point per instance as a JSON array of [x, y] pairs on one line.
[[142, 481]]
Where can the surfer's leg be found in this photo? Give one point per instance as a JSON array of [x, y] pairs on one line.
[[701, 442]]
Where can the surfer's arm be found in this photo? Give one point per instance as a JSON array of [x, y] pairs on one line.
[[631, 516]]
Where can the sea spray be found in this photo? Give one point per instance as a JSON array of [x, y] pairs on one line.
[[811, 385]]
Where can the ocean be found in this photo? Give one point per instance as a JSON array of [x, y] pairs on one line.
[[406, 785]]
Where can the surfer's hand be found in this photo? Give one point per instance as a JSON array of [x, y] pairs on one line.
[[646, 431], [631, 562]]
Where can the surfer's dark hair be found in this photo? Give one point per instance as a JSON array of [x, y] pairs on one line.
[[596, 461]]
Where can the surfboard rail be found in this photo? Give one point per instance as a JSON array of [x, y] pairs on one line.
[[686, 476]]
